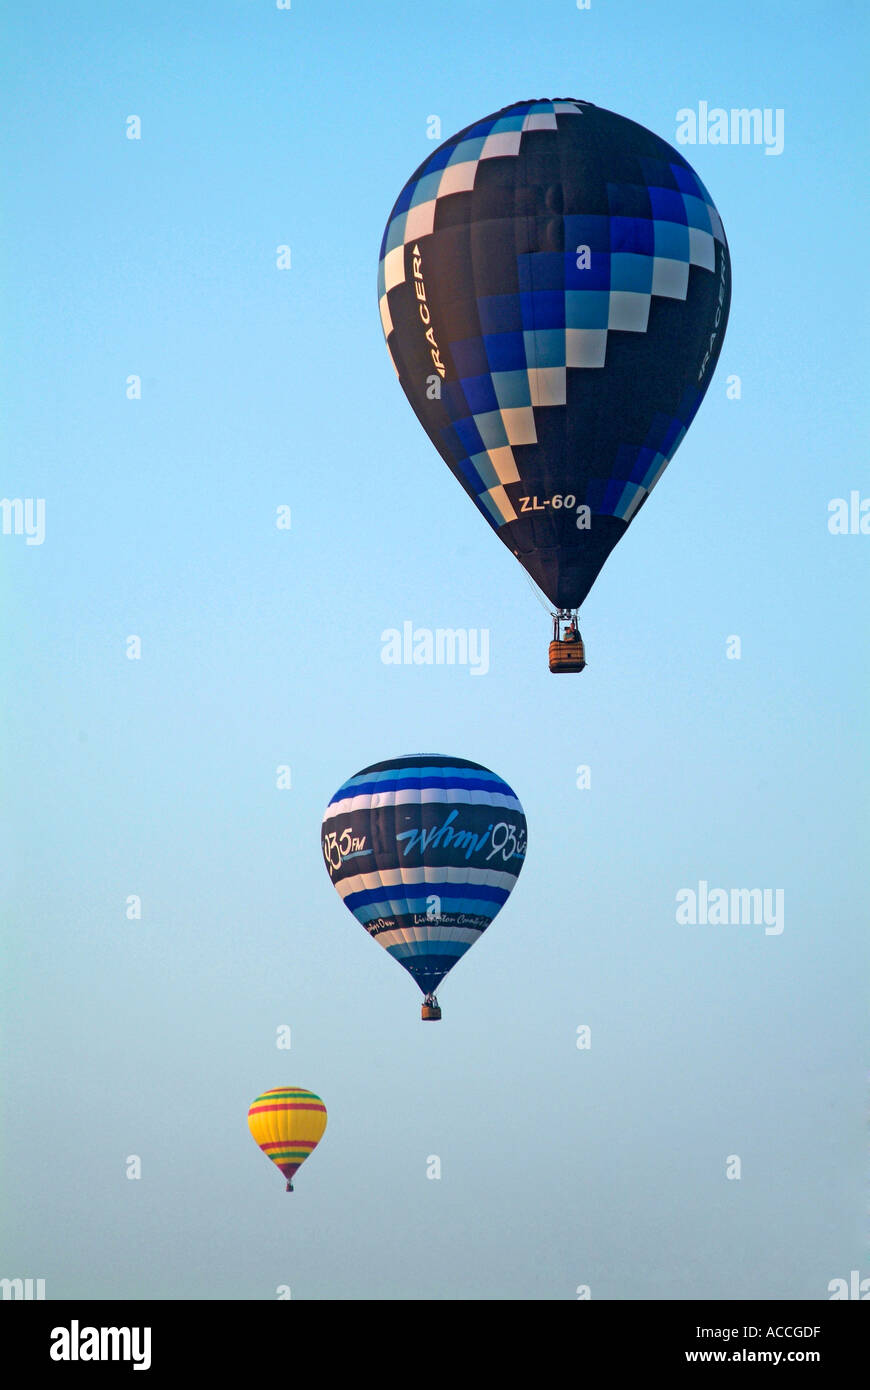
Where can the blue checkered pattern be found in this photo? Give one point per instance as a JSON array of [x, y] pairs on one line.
[[574, 281]]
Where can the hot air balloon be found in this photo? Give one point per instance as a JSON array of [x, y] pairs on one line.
[[424, 851], [554, 286], [288, 1124]]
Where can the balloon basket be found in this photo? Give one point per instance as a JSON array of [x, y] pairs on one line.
[[567, 656], [430, 1013]]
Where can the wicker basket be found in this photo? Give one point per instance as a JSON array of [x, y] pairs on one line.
[[567, 656]]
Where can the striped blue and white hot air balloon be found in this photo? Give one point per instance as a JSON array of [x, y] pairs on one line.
[[424, 851]]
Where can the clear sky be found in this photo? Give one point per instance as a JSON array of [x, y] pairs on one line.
[[560, 1167]]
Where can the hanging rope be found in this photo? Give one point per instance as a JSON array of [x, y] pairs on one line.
[[545, 603]]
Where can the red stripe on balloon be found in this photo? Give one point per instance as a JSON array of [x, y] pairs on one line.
[[267, 1109]]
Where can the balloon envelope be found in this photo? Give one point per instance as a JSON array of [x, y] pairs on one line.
[[424, 850], [554, 286], [288, 1124]]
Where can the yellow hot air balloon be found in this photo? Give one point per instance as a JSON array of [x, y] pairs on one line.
[[288, 1124]]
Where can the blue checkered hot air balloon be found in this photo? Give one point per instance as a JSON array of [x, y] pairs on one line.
[[424, 851], [554, 286]]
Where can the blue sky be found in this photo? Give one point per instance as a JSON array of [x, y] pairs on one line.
[[560, 1167]]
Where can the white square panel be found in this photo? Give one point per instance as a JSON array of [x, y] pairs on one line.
[[504, 464], [670, 278], [702, 250], [503, 502], [394, 267], [629, 311], [585, 347], [547, 385], [386, 317], [540, 120], [457, 178], [519, 425], [501, 142], [421, 220]]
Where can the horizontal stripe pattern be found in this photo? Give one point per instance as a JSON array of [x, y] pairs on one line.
[[421, 796], [287, 1123], [408, 950], [409, 911], [428, 936], [424, 851], [285, 1105], [426, 778], [423, 771], [437, 875], [453, 893]]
